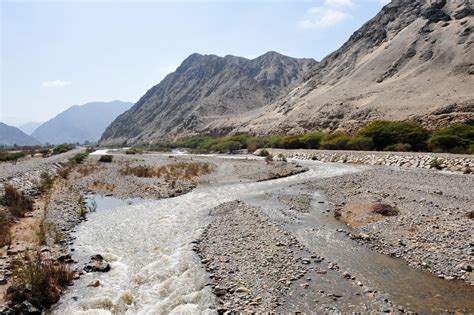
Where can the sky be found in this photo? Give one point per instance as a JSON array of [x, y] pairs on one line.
[[57, 54]]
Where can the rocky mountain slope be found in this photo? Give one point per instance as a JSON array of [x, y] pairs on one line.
[[203, 89], [413, 60], [80, 123], [10, 136]]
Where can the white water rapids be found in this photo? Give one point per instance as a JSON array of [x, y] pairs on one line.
[[154, 270]]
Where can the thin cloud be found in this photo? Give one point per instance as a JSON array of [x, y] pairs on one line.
[[330, 13], [56, 84], [320, 17]]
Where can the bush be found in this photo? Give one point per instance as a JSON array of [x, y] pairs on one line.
[[435, 163], [335, 141], [290, 142], [6, 156], [5, 236], [38, 281], [79, 158], [106, 158], [457, 138], [62, 148], [46, 182], [312, 140], [387, 133], [17, 203], [360, 143]]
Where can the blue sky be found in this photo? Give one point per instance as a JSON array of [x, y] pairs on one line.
[[62, 53]]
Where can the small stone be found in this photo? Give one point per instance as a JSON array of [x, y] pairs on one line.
[[93, 284]]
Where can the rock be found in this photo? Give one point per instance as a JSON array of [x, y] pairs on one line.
[[364, 236], [3, 281], [27, 308], [242, 290], [346, 275], [11, 252], [93, 284]]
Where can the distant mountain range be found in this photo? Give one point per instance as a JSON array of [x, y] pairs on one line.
[[29, 127], [205, 88], [412, 61], [10, 136], [80, 123]]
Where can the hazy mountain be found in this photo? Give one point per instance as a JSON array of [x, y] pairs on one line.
[[29, 127], [80, 123], [203, 89], [10, 136], [413, 60]]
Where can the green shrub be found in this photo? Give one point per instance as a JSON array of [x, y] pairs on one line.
[[386, 133], [360, 143], [290, 142], [62, 148], [335, 141], [106, 158], [457, 138], [80, 157], [312, 140], [6, 156]]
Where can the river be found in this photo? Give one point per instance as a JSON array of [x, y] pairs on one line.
[[155, 271]]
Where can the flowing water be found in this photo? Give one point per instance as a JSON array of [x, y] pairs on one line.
[[155, 271]]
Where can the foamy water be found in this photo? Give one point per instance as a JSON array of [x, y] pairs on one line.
[[154, 270]]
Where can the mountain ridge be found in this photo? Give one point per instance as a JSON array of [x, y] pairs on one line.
[[11, 136], [80, 123], [205, 88]]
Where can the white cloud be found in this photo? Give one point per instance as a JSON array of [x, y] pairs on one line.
[[56, 84], [167, 69], [330, 13], [320, 17]]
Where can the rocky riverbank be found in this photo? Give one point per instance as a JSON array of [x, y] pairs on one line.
[[430, 227], [450, 162], [59, 209]]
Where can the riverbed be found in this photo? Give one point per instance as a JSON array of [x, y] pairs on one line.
[[156, 271]]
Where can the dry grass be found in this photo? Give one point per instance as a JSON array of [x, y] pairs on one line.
[[16, 202], [38, 281], [103, 186], [86, 170], [5, 235], [173, 171]]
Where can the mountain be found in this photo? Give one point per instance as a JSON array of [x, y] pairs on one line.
[[29, 127], [413, 60], [80, 123], [203, 89], [9, 136]]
